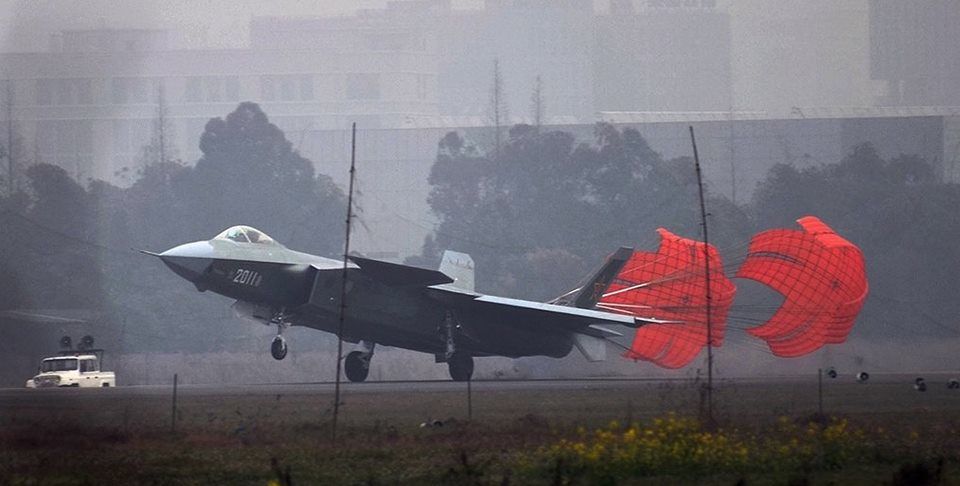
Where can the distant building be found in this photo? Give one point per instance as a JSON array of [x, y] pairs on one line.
[[914, 48], [797, 54], [741, 147], [665, 55], [90, 104], [550, 39], [412, 71]]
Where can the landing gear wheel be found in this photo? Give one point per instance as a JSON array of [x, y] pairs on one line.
[[278, 348], [461, 366], [356, 366]]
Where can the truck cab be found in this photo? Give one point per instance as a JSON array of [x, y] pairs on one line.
[[75, 369]]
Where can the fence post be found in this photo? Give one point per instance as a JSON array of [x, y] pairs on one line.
[[173, 414], [820, 391]]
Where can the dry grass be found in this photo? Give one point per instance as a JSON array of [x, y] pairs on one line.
[[234, 436]]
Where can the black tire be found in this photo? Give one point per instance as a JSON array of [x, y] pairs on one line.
[[461, 367], [356, 367], [278, 348]]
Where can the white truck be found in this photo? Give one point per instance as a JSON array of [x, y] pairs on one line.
[[72, 369]]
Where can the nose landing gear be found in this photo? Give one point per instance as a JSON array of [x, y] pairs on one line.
[[278, 348]]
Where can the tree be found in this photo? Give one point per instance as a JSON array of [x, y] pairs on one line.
[[69, 246], [12, 147], [54, 256], [546, 208], [250, 174], [901, 217]]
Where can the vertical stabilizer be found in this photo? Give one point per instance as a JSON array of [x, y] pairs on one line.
[[587, 296], [459, 267]]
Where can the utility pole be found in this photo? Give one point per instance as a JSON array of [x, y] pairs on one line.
[[161, 123], [498, 108], [10, 163], [706, 265], [731, 145], [536, 103], [343, 280]]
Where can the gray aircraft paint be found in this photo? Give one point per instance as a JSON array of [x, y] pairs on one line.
[[387, 303]]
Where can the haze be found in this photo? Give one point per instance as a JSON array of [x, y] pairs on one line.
[[109, 91]]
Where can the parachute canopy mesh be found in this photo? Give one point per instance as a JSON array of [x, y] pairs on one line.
[[669, 288], [822, 278]]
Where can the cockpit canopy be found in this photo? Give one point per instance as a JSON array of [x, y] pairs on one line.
[[246, 234]]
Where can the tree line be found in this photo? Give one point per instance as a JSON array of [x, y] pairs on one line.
[[66, 245], [541, 211], [537, 213]]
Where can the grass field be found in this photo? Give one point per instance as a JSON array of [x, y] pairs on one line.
[[767, 432]]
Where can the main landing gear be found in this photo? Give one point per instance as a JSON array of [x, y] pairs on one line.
[[357, 363], [356, 367], [459, 363], [461, 366]]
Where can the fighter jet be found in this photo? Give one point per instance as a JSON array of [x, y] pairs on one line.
[[431, 311]]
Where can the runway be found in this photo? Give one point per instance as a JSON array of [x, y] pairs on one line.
[[503, 384], [412, 402]]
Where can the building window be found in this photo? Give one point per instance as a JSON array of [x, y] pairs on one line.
[[129, 90], [138, 90], [287, 91], [289, 87], [118, 92], [213, 88], [363, 86], [421, 86], [306, 87], [84, 91], [267, 89], [130, 135], [231, 88], [193, 91], [65, 92], [44, 91]]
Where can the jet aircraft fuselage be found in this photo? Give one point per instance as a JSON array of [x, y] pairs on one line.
[[385, 303]]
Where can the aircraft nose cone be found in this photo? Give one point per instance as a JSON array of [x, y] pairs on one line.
[[189, 261]]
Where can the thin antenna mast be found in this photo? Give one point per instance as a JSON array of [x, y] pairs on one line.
[[161, 123], [706, 265], [343, 280], [10, 163]]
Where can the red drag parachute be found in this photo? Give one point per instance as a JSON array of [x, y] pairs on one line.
[[822, 278], [669, 289]]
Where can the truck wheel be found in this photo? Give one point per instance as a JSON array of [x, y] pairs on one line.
[[105, 385]]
